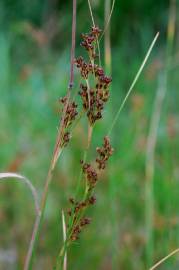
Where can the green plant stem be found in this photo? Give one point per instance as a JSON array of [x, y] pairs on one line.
[[150, 168], [152, 138], [107, 21], [133, 83]]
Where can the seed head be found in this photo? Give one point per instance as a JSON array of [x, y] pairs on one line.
[[104, 153]]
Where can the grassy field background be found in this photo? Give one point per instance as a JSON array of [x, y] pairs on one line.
[[35, 41]]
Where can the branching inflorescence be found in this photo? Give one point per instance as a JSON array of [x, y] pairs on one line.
[[90, 175], [70, 116], [94, 93], [93, 98]]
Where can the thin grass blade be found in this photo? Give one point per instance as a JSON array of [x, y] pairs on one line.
[[134, 82], [164, 259], [14, 176], [64, 239]]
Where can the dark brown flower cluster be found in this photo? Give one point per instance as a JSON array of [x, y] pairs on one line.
[[79, 222], [85, 68], [93, 97], [70, 116], [89, 40], [94, 93], [90, 174], [78, 228], [104, 153]]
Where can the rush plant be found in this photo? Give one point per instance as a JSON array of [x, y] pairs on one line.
[[94, 94]]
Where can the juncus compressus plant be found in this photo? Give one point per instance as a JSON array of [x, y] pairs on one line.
[[94, 94]]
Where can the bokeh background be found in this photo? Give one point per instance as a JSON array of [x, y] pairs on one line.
[[35, 41]]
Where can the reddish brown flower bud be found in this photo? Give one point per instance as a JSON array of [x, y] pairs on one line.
[[92, 200], [85, 221], [72, 200], [99, 72], [104, 153], [96, 30]]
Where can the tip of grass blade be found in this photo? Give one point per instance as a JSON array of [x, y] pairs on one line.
[[134, 82], [164, 259]]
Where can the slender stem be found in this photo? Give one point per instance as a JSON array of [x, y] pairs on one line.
[[73, 46], [152, 139], [93, 22], [164, 259], [90, 132], [108, 20], [37, 225], [91, 13], [107, 41], [88, 90], [57, 152], [112, 181], [64, 239], [150, 167], [133, 83]]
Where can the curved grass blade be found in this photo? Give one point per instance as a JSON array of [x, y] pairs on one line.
[[14, 176], [164, 259]]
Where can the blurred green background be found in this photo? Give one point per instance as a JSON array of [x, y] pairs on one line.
[[35, 41]]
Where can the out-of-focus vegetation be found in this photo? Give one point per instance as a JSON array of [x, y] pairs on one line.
[[35, 41]]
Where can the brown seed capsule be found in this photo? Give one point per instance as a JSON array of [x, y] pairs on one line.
[[85, 221], [72, 200], [92, 200], [90, 173], [104, 153]]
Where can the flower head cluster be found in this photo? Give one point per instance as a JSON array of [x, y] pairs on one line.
[[89, 40], [70, 116], [79, 221], [90, 174], [93, 96], [104, 153], [85, 68], [78, 228], [94, 93]]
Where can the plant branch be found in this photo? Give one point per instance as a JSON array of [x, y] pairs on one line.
[[71, 83]]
